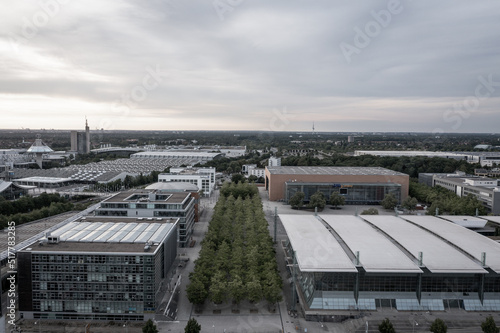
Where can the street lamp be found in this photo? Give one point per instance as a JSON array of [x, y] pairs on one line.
[[126, 327], [414, 324], [39, 323]]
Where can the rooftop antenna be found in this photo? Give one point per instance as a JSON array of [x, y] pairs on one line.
[[313, 127]]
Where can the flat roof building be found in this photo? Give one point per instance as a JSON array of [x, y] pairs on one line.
[[97, 269], [359, 185], [408, 263], [203, 178], [152, 205], [486, 190]]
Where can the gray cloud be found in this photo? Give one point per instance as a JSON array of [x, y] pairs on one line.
[[231, 73]]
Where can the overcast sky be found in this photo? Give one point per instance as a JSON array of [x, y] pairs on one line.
[[426, 66]]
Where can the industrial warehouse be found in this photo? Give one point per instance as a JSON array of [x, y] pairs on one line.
[[358, 185], [98, 269], [406, 263]]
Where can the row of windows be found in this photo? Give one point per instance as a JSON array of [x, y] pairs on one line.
[[97, 259], [84, 268], [93, 316], [91, 296], [401, 283], [88, 307], [97, 287], [95, 277]]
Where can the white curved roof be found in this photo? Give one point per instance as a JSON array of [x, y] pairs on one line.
[[377, 253], [438, 255], [315, 247], [463, 238]]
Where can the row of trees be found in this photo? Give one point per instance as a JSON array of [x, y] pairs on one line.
[[27, 203], [240, 189], [237, 259], [317, 200], [409, 165], [439, 326], [27, 209], [447, 201]]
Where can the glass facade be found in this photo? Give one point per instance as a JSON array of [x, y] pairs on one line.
[[362, 290], [108, 286], [354, 193]]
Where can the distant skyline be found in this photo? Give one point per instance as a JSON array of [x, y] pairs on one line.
[[378, 66]]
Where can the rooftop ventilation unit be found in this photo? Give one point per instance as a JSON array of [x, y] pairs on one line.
[[53, 239]]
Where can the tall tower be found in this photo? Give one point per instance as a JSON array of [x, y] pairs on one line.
[[87, 136]]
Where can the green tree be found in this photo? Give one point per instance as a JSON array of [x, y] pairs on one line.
[[438, 326], [236, 289], [336, 200], [150, 327], [218, 288], [370, 211], [317, 200], [252, 178], [254, 289], [410, 203], [386, 326], [238, 178], [192, 326], [489, 325], [196, 292], [297, 200], [389, 201]]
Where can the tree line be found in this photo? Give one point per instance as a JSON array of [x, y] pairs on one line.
[[27, 209], [237, 259], [410, 165], [447, 201], [439, 326]]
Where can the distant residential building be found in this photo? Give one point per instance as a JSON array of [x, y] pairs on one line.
[[149, 205], [351, 138], [247, 167], [274, 161], [258, 172], [204, 178], [97, 269], [487, 173], [486, 190]]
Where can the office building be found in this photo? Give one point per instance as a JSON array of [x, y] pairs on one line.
[[358, 185], [97, 269], [258, 172], [153, 205], [274, 161], [486, 190], [406, 263], [204, 178]]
